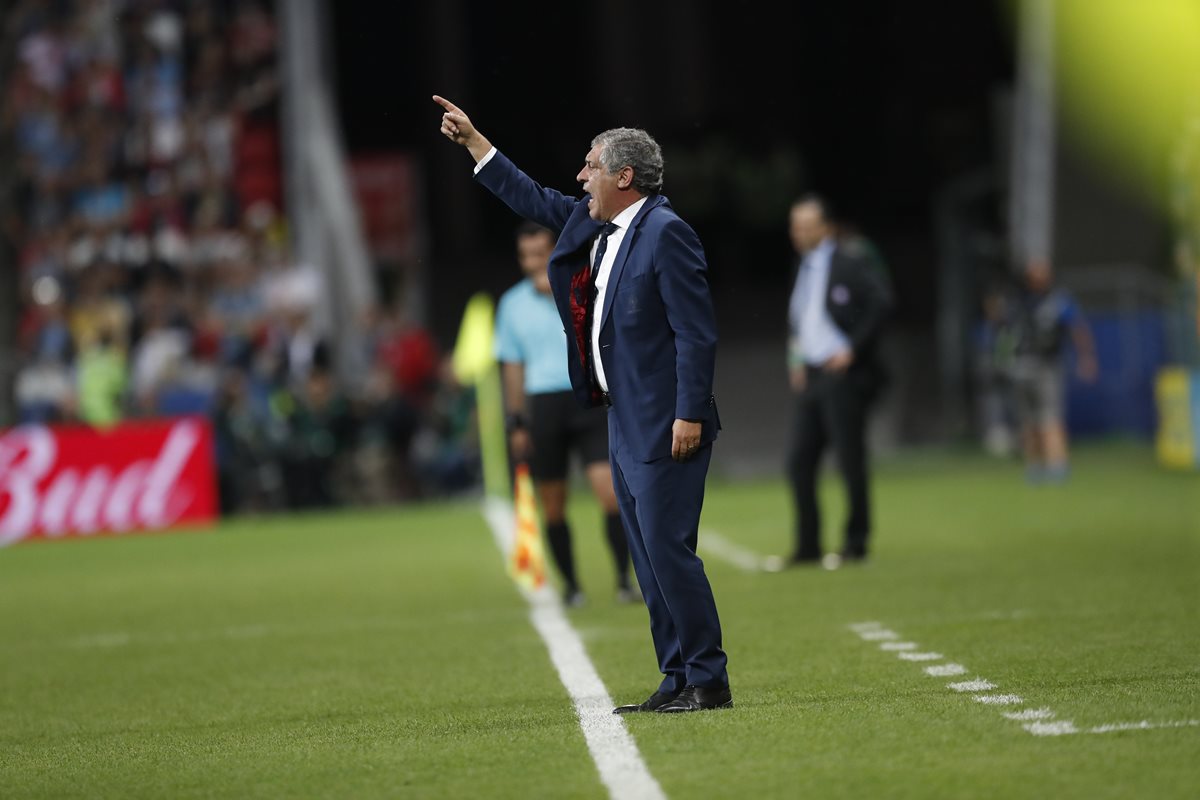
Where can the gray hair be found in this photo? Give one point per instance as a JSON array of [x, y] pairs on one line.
[[632, 147]]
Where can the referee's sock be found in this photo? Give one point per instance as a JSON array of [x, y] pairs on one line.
[[559, 535], [619, 546]]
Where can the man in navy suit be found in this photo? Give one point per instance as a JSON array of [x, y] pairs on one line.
[[630, 282]]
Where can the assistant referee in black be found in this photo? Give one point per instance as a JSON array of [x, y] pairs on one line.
[[545, 423]]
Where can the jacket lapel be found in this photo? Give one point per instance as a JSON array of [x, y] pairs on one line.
[[618, 267], [579, 230]]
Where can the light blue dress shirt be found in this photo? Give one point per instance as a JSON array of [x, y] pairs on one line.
[[815, 336], [530, 332]]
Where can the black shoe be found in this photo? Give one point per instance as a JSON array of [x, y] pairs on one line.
[[627, 595], [804, 560], [653, 703], [698, 698]]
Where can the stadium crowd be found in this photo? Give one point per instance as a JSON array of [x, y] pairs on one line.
[[155, 271]]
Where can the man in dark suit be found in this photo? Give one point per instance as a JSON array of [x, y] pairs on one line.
[[630, 282], [838, 304]]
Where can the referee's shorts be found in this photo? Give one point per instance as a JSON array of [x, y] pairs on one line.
[[558, 425]]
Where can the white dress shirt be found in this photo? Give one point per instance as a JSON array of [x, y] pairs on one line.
[[483, 161], [819, 337], [622, 221]]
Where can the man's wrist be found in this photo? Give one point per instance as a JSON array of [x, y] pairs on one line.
[[483, 153]]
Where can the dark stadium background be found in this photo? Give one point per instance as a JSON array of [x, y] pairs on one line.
[[875, 104]]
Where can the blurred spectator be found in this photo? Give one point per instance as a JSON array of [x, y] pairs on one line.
[[410, 354], [391, 417], [101, 379], [236, 311], [245, 478], [44, 388], [993, 347], [154, 268], [99, 311], [162, 343], [446, 450], [1046, 317], [319, 428]]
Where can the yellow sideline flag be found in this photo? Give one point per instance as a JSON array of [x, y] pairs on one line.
[[527, 564], [1178, 409], [475, 365]]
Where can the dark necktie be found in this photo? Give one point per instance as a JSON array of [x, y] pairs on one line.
[[601, 247]]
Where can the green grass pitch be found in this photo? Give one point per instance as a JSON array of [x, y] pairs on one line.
[[387, 654]]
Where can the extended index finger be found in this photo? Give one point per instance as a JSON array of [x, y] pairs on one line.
[[446, 104]]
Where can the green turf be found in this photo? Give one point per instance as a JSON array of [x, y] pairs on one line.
[[386, 654]]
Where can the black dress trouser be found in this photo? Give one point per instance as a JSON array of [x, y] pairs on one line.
[[832, 410]]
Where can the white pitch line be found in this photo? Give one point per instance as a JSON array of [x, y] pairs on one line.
[[745, 560], [1066, 727], [1058, 728], [1030, 713], [1144, 725], [945, 670], [1040, 722], [613, 750]]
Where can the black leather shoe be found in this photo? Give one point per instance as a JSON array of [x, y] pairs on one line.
[[653, 703], [698, 698]]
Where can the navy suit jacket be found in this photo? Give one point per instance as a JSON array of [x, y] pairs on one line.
[[658, 334]]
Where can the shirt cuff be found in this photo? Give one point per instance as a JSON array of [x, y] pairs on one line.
[[483, 161]]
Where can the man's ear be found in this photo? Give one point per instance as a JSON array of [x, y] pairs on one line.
[[625, 178]]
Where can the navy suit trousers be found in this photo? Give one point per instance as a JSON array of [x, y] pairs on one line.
[[660, 504]]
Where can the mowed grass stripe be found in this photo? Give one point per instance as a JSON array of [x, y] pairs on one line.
[[373, 655]]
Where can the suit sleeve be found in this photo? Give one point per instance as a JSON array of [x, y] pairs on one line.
[[877, 290], [683, 284], [524, 195]]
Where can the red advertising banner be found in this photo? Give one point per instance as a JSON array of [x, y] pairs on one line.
[[79, 481], [386, 186]]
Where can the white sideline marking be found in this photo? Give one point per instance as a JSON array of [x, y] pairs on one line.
[[1066, 727], [1029, 713], [1061, 728], [738, 556], [945, 670], [613, 750], [1043, 722], [1144, 725]]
